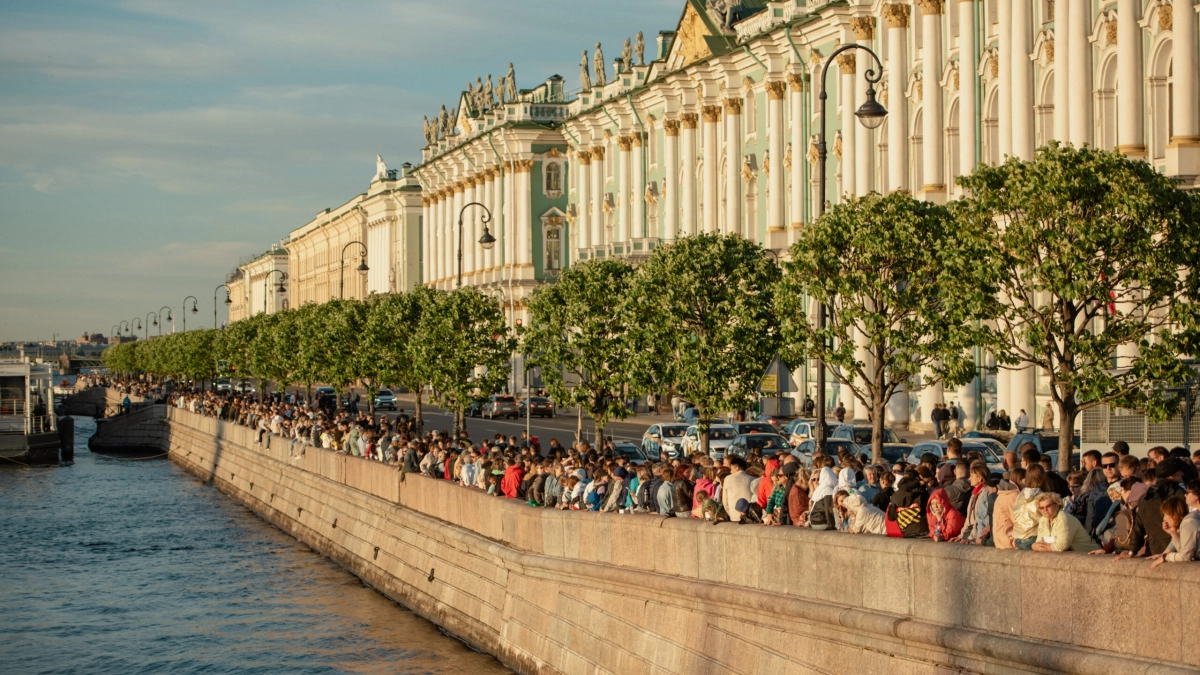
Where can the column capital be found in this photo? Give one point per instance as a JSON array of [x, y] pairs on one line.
[[733, 106], [625, 143], [863, 27], [896, 15], [638, 139], [426, 201], [776, 90], [932, 7], [712, 113], [524, 165], [671, 127], [598, 152], [847, 62], [585, 157], [796, 80], [689, 120]]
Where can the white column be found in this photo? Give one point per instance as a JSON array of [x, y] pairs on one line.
[[864, 138], [1003, 390], [847, 63], [583, 190], [1022, 81], [470, 222], [1062, 72], [733, 166], [1185, 106], [968, 85], [598, 171], [524, 224], [688, 158], [897, 105], [670, 186], [861, 353], [1004, 95], [930, 395], [426, 240], [799, 149], [712, 156], [1131, 140], [624, 187], [967, 402], [637, 197], [448, 250], [1023, 380], [1079, 26], [439, 241], [460, 192], [776, 218], [932, 128], [489, 192], [505, 244]]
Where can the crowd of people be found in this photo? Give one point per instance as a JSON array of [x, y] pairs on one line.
[[1114, 504]]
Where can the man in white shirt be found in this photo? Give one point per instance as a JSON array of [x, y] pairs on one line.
[[1022, 422], [736, 486]]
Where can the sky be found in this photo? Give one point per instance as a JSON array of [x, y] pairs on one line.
[[149, 146]]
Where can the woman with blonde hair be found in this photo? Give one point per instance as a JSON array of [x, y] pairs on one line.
[[1058, 530]]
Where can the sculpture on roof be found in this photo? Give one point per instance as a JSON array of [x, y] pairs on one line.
[[640, 48], [598, 62], [510, 89], [429, 129], [626, 56], [501, 85], [722, 10], [444, 123], [489, 94], [585, 80], [381, 170], [480, 102], [470, 93]]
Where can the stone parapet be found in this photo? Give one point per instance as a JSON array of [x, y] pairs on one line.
[[573, 592]]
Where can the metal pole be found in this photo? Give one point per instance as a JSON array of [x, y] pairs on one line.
[[215, 302], [342, 268], [194, 301], [487, 218]]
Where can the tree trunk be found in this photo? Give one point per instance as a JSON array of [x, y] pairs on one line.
[[417, 420], [702, 429], [578, 424], [599, 435], [1068, 410], [878, 405]]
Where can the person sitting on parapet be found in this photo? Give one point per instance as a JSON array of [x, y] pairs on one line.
[[711, 509]]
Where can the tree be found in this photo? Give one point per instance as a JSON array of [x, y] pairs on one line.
[[1093, 259], [577, 326], [899, 273], [341, 323], [464, 346], [392, 324], [700, 312], [233, 346]]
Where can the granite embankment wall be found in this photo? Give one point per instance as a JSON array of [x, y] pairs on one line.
[[569, 592]]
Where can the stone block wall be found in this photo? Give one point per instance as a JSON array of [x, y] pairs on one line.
[[570, 592]]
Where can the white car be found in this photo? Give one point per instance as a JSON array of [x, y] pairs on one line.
[[719, 438]]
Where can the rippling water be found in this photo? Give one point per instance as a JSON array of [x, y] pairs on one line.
[[118, 566]]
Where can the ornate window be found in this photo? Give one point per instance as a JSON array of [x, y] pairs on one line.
[[553, 179], [553, 248]]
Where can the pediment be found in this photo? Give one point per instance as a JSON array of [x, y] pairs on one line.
[[696, 37]]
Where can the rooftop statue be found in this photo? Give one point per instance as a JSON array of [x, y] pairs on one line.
[[510, 91], [430, 131], [640, 48], [598, 61], [723, 10], [381, 170], [585, 80], [626, 57], [489, 95]]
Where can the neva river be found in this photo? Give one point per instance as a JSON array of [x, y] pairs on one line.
[[117, 566]]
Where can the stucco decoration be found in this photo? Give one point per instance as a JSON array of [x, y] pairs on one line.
[[510, 89], [627, 56], [640, 49], [598, 62], [585, 78], [691, 45]]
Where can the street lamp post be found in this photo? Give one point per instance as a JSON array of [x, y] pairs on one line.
[[280, 289], [871, 115], [116, 330], [123, 327], [185, 309], [362, 266], [148, 315], [487, 241], [133, 329], [170, 317], [227, 302]]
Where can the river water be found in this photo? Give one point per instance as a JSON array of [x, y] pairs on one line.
[[134, 566]]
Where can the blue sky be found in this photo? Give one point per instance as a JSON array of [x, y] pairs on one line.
[[146, 146]]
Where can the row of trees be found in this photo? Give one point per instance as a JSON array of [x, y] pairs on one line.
[[456, 343], [1063, 262]]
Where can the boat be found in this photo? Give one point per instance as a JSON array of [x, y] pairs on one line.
[[29, 428]]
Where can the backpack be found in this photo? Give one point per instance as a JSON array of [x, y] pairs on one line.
[[1122, 531]]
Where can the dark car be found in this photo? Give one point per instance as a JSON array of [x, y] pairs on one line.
[[537, 406], [501, 405], [1045, 443], [938, 448], [861, 434], [833, 446], [766, 444], [755, 428]]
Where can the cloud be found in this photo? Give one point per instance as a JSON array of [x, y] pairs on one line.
[[88, 54]]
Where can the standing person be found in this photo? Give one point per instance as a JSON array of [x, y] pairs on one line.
[[956, 421], [810, 408], [1022, 421], [736, 486], [840, 413], [1048, 417]]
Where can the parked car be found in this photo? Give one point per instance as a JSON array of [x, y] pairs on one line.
[[661, 437], [539, 406], [1044, 442], [801, 429], [861, 434], [938, 448], [630, 451], [777, 421], [246, 388], [754, 428], [689, 416], [474, 409], [766, 444], [222, 385], [501, 405], [385, 399], [719, 438], [833, 447]]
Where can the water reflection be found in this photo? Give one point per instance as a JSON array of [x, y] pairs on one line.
[[115, 566]]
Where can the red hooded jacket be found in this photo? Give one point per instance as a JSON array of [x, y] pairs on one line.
[[952, 520], [766, 485], [511, 482]]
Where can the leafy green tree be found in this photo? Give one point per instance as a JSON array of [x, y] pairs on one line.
[[701, 317], [1095, 254], [578, 328], [464, 346], [341, 324], [310, 345], [121, 358], [899, 272], [233, 346], [392, 323]]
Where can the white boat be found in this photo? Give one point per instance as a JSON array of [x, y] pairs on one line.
[[28, 424]]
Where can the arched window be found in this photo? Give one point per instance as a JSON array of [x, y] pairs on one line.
[[1106, 97], [553, 248], [750, 113], [553, 177], [1160, 101]]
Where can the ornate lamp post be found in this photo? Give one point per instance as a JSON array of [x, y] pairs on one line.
[[871, 115], [185, 309], [227, 302], [116, 331], [487, 241], [362, 266], [278, 289], [148, 315]]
